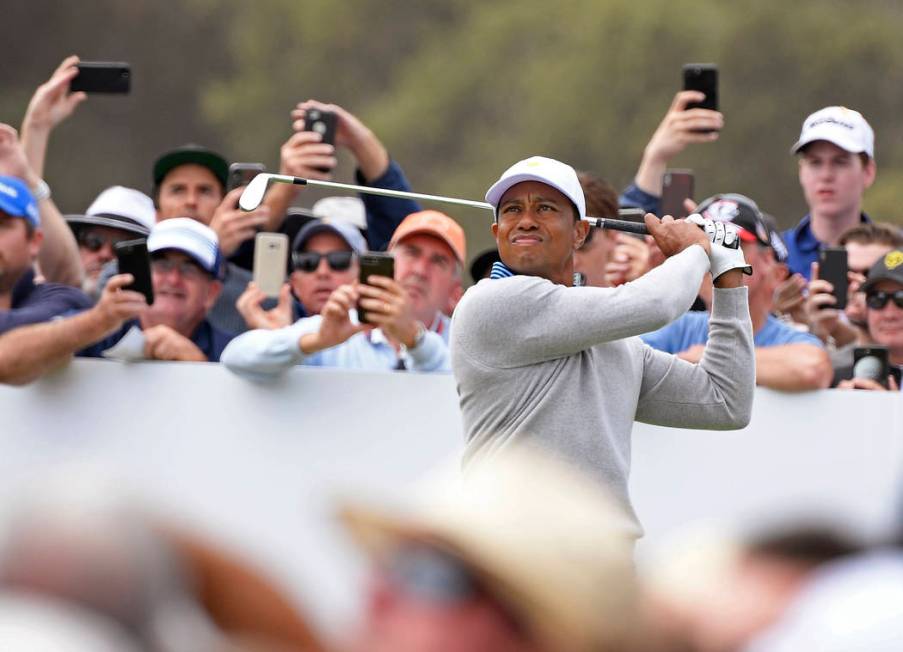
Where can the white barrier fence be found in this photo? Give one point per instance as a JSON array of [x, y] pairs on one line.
[[261, 465]]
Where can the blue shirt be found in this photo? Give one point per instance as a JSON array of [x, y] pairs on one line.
[[803, 247], [263, 354], [633, 197], [35, 303], [208, 338], [693, 328]]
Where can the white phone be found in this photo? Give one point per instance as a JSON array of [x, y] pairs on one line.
[[270, 260]]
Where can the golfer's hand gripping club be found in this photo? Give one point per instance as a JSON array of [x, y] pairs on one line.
[[726, 253]]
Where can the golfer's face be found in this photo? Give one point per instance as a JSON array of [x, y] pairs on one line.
[[536, 230]]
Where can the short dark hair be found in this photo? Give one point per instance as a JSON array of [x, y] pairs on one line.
[[808, 546], [873, 233], [601, 198]]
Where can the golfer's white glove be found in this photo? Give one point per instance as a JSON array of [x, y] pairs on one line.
[[723, 256]]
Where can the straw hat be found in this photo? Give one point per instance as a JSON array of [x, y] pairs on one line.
[[549, 543]]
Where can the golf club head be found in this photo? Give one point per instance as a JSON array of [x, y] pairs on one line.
[[253, 194]]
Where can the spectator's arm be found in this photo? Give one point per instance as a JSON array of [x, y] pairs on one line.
[[58, 258], [431, 354], [680, 127], [793, 367], [50, 105], [384, 214], [265, 354], [28, 352]]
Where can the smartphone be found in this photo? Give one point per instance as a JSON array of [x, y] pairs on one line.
[[240, 174], [871, 362], [677, 186], [374, 264], [324, 123], [270, 259], [133, 259], [702, 77], [102, 77], [832, 267]]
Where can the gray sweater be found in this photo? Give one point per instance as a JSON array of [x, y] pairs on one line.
[[559, 365]]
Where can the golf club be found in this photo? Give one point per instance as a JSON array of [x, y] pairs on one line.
[[252, 197]]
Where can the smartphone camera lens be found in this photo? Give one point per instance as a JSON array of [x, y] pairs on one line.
[[313, 114]]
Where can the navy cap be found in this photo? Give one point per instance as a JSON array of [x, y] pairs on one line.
[[16, 200]]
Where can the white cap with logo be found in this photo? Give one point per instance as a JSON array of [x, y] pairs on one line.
[[190, 237], [560, 176], [122, 208], [841, 126]]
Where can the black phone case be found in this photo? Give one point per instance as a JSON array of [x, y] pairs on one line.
[[832, 267], [702, 77], [323, 122], [102, 77], [133, 259], [374, 265]]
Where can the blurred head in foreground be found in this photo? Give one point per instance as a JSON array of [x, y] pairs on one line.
[[518, 553]]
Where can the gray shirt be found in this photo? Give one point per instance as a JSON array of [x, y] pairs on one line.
[[559, 365]]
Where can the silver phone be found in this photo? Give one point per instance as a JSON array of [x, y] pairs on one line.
[[270, 260]]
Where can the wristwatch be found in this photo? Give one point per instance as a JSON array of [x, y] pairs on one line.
[[41, 191]]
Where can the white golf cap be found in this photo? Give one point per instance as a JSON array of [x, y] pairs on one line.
[[191, 238], [341, 209], [841, 126], [560, 176], [119, 207]]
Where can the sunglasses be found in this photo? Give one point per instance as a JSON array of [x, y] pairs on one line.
[[309, 261], [187, 270], [94, 242], [877, 300]]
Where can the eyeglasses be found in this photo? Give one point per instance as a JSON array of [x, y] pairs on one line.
[[94, 242], [877, 300], [186, 269], [309, 261]]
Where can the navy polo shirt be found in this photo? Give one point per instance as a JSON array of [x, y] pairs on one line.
[[33, 303], [208, 338], [803, 247]]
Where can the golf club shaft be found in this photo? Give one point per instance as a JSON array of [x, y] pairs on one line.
[[599, 222]]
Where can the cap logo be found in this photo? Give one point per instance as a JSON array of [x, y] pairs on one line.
[[893, 260], [723, 210], [833, 121]]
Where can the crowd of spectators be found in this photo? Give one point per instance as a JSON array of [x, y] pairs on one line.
[[529, 556]]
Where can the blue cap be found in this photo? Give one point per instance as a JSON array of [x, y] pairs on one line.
[[16, 200]]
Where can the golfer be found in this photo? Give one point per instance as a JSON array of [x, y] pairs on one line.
[[537, 359]]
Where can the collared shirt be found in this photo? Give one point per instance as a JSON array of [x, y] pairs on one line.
[[208, 338], [693, 328], [263, 354], [803, 246], [33, 303]]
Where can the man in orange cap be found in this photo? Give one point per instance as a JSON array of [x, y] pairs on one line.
[[407, 326]]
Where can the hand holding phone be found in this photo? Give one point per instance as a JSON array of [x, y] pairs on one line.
[[133, 259], [374, 264], [113, 77], [323, 123]]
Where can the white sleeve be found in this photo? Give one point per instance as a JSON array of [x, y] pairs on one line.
[[263, 354]]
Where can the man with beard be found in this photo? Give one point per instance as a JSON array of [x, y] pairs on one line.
[[407, 328]]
